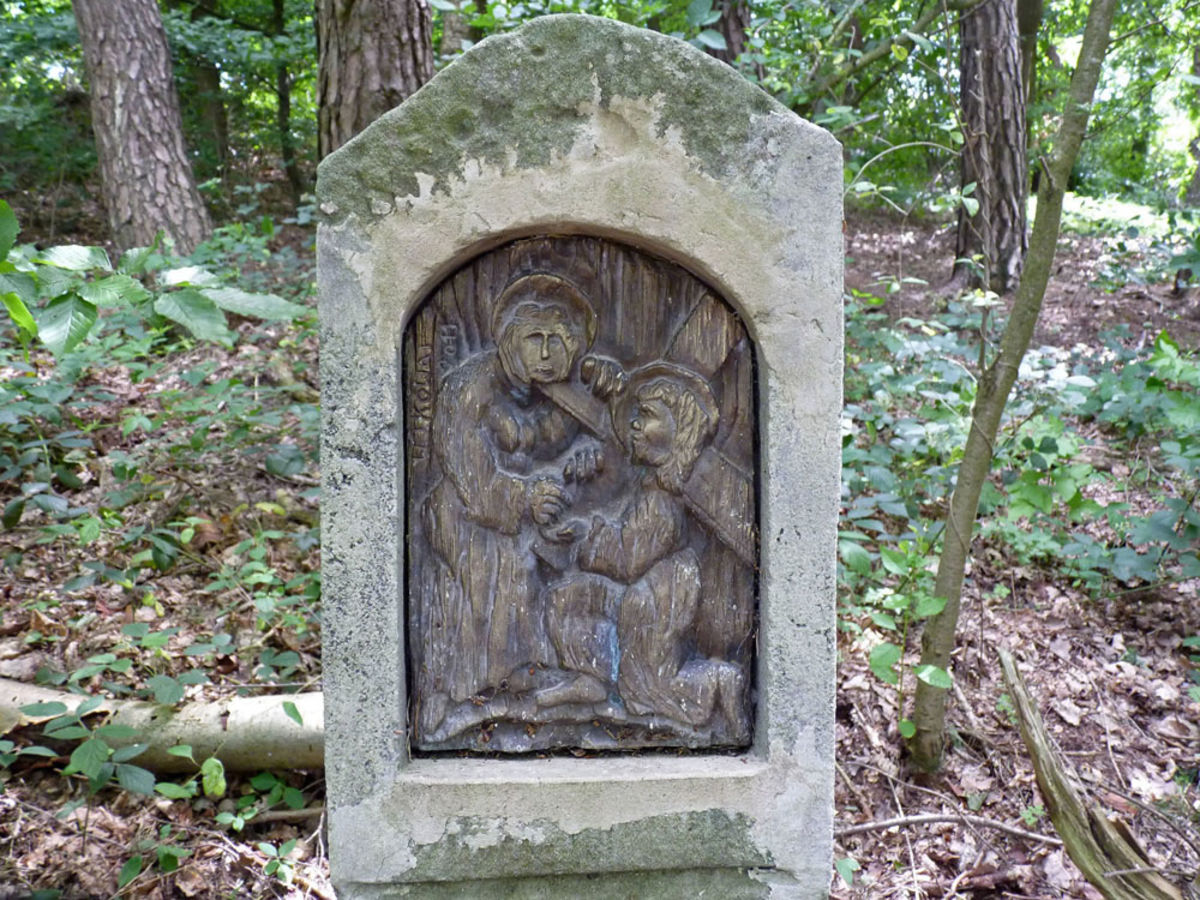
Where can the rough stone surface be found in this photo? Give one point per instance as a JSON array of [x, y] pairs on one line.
[[580, 125]]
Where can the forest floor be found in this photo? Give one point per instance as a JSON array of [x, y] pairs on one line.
[[1107, 671]]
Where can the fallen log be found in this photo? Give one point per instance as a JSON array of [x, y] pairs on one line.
[[245, 733], [1099, 844]]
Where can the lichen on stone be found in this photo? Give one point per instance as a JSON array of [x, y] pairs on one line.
[[522, 98]]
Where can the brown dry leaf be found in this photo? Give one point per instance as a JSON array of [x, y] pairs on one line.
[[1068, 711], [1150, 786], [190, 882], [39, 621], [1176, 728], [1056, 871], [976, 779], [1166, 692]]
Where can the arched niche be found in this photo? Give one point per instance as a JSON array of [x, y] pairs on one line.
[[580, 481]]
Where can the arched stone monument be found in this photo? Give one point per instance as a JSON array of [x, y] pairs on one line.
[[581, 377]]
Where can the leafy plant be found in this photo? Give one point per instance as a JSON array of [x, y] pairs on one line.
[[93, 757], [278, 865], [166, 855]]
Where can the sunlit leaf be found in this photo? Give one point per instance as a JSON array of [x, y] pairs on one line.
[[883, 660], [115, 290], [196, 313], [292, 713], [846, 869], [173, 791], [192, 275], [75, 258], [20, 314], [259, 306], [65, 322], [212, 777], [928, 605], [8, 229], [935, 677]]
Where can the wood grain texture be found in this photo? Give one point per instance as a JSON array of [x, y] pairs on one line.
[[583, 543]]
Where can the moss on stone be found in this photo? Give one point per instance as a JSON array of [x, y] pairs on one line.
[[728, 884], [709, 839], [521, 95]]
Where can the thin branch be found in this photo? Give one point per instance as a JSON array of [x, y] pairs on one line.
[[884, 47], [288, 815], [934, 818], [1133, 32]]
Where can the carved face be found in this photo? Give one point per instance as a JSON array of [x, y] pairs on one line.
[[544, 353], [651, 432], [539, 346]]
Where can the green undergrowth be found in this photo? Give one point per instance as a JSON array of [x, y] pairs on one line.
[[1094, 485], [1140, 245], [158, 454], [158, 489]]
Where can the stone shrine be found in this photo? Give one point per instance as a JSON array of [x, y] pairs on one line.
[[581, 381]]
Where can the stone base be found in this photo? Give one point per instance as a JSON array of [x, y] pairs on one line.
[[657, 821], [726, 884]]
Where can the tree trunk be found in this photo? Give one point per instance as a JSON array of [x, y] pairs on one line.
[[457, 29], [245, 733], [371, 55], [145, 174], [1191, 197], [1029, 20], [283, 110], [993, 153], [937, 642], [206, 95], [734, 26]]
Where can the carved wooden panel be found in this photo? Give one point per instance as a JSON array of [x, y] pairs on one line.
[[581, 489]]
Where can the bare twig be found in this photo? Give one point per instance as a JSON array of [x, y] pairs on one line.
[[863, 802], [935, 818], [289, 815]]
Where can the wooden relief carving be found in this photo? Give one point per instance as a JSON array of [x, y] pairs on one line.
[[582, 548]]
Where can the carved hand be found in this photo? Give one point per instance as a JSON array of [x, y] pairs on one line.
[[604, 376], [547, 501], [567, 532], [585, 465]]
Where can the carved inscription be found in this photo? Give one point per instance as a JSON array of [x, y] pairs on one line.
[[581, 504]]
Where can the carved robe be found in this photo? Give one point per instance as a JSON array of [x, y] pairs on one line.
[[491, 440], [630, 619]]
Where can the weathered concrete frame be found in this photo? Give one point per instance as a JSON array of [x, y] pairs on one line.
[[642, 139]]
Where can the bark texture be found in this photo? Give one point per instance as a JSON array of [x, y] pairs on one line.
[[371, 56], [1029, 20], [734, 25], [283, 109], [993, 154], [995, 384], [145, 173]]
